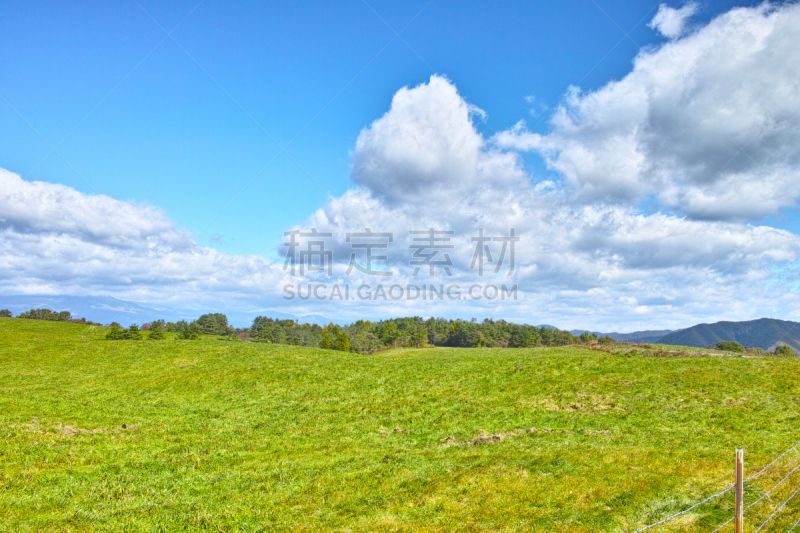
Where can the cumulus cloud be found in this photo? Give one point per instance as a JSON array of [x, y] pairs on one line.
[[425, 149], [671, 22], [422, 165], [38, 207], [56, 240], [572, 259], [708, 124]]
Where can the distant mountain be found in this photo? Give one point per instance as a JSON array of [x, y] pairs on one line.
[[106, 309], [579, 332], [644, 337], [766, 333]]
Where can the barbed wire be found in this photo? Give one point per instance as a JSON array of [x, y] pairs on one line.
[[793, 526], [773, 488], [723, 525], [762, 497], [698, 504], [777, 511], [772, 463]]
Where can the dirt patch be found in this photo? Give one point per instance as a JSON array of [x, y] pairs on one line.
[[486, 438], [68, 430], [385, 432], [71, 431], [733, 402], [598, 432], [581, 402]]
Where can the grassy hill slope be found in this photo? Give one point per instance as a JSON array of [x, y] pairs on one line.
[[762, 333], [231, 436]]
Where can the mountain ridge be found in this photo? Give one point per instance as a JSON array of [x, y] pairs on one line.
[[765, 333]]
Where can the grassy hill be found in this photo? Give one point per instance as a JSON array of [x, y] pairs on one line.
[[212, 435], [762, 333]]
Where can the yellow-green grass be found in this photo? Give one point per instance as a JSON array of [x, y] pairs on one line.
[[236, 436]]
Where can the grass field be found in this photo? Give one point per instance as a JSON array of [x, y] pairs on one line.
[[213, 435]]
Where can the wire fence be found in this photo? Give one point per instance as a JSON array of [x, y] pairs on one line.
[[732, 487]]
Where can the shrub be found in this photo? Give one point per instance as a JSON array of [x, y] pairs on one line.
[[5, 313], [784, 351], [730, 346], [191, 332]]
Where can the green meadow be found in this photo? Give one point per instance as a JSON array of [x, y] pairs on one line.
[[214, 435]]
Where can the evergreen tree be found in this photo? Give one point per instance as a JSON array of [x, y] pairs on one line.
[[115, 333], [325, 344], [342, 342], [191, 332], [132, 333], [213, 324], [156, 331]]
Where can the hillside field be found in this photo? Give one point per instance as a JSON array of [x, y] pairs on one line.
[[213, 435]]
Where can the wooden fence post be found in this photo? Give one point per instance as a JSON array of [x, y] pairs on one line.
[[739, 492]]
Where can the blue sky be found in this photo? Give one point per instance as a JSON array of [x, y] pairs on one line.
[[165, 133], [647, 153]]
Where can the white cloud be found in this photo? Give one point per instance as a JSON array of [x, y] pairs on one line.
[[56, 240], [421, 165], [600, 259], [426, 150], [671, 22], [708, 124], [38, 207]]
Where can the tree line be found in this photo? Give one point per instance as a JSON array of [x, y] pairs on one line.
[[368, 337], [362, 336], [47, 314], [208, 324]]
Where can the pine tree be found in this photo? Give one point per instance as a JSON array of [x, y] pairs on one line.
[[156, 331], [191, 333], [132, 333], [115, 333], [342, 342], [325, 344]]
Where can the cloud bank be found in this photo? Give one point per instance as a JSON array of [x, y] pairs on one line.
[[706, 126]]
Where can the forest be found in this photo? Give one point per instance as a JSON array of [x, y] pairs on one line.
[[368, 337], [362, 336]]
